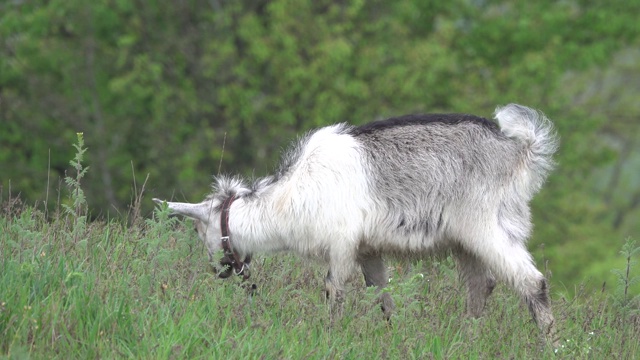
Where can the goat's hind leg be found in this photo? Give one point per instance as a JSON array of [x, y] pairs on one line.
[[510, 261], [478, 280], [375, 274]]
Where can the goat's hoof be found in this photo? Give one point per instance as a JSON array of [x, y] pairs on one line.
[[386, 313]]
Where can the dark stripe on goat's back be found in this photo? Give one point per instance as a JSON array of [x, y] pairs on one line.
[[424, 120]]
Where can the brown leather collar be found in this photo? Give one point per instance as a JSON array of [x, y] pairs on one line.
[[232, 258]]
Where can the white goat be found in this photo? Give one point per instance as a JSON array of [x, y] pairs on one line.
[[407, 186]]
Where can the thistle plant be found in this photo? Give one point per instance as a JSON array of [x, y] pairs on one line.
[[622, 297], [78, 208]]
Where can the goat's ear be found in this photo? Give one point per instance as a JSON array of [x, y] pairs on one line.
[[199, 211]]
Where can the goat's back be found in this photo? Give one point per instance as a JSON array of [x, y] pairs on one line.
[[447, 175]]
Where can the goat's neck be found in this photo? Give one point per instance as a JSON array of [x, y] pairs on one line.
[[253, 226]]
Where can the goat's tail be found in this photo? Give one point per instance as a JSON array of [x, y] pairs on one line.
[[536, 132]]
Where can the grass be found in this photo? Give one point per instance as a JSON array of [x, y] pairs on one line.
[[147, 291], [73, 289]]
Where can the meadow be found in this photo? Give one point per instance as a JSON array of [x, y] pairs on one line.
[[143, 288]]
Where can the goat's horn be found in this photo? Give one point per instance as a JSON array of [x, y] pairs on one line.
[[199, 211]]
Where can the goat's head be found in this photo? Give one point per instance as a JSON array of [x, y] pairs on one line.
[[206, 215]]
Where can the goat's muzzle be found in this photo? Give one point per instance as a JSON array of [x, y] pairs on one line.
[[228, 268]]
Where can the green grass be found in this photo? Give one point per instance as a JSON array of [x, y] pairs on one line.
[[111, 290], [75, 289]]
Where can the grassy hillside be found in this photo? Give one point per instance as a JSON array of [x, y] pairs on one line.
[[110, 290]]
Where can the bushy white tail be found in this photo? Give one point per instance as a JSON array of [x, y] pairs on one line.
[[536, 132]]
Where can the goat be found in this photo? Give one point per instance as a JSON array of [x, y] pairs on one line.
[[409, 186]]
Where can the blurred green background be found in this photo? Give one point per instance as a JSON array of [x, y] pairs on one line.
[[173, 90]]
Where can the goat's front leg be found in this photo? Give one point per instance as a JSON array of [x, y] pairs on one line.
[[340, 267], [335, 295]]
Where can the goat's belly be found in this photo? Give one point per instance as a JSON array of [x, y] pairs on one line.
[[402, 243]]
